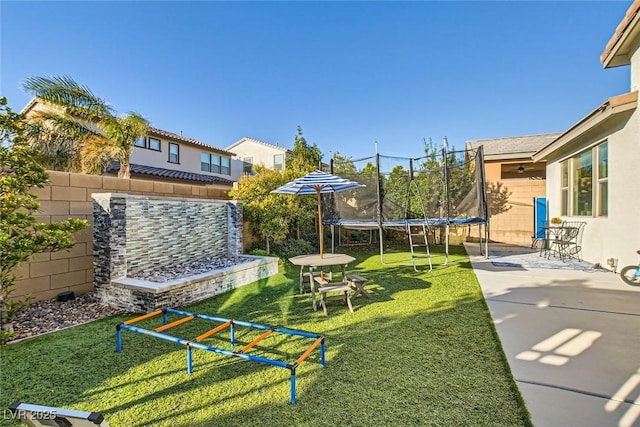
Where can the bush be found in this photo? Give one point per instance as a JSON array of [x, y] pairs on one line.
[[293, 247], [259, 252]]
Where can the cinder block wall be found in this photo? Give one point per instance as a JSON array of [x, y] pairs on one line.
[[70, 195], [516, 225]]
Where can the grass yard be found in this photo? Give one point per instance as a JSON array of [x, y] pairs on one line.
[[422, 352]]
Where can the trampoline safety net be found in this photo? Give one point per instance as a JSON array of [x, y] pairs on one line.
[[440, 188]]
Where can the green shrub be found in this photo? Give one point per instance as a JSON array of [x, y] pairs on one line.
[[293, 247], [259, 252]]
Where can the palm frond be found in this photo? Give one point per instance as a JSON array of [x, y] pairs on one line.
[[96, 153], [66, 92]]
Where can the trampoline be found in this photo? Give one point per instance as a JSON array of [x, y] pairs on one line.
[[423, 197]]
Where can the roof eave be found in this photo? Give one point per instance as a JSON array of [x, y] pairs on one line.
[[30, 105], [618, 49], [509, 156], [177, 138], [597, 118]]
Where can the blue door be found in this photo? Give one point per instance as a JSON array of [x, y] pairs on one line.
[[539, 216]]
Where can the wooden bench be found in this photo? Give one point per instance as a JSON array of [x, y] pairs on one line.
[[343, 288], [311, 275], [357, 282]]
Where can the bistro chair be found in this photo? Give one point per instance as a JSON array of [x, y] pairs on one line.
[[567, 243]]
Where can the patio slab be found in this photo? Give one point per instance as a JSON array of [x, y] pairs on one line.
[[571, 337]]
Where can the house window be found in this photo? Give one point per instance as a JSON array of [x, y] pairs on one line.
[[278, 162], [153, 144], [174, 153], [603, 178], [582, 194], [215, 163], [564, 188], [149, 143], [225, 165], [584, 183], [247, 163], [205, 162]]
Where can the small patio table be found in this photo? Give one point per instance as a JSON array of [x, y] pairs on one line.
[[555, 236], [314, 261]]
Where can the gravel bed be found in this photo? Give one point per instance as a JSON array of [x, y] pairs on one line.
[[185, 270], [51, 315]]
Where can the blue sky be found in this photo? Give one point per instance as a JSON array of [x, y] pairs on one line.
[[348, 73]]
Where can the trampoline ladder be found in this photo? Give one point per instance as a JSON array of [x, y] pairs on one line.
[[418, 239]]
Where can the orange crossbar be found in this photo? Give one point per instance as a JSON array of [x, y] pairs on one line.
[[144, 316], [212, 331], [172, 324], [257, 340], [309, 350]]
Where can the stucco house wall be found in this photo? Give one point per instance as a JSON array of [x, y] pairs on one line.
[[616, 235], [261, 153], [190, 152], [616, 121]]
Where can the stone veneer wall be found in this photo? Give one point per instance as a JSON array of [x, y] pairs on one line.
[[141, 297], [136, 233]]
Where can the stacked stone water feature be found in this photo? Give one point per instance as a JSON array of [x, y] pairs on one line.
[[134, 233]]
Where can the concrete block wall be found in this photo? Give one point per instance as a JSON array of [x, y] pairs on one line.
[[70, 195], [516, 225]]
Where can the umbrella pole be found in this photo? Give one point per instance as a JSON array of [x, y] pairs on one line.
[[320, 224]]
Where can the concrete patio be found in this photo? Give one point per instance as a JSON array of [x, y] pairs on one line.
[[571, 336]]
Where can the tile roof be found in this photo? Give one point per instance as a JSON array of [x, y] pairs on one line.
[[257, 141], [170, 173], [176, 137], [514, 146]]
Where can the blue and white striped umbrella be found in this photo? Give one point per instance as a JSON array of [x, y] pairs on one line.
[[318, 182]]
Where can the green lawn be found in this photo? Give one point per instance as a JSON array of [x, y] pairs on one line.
[[422, 352]]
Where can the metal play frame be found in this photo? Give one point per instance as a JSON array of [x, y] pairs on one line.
[[224, 323]]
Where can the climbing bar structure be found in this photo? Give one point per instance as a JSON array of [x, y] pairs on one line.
[[232, 325]]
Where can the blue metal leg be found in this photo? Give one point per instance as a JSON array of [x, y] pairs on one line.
[[293, 387], [322, 362], [118, 341], [189, 360], [233, 335]]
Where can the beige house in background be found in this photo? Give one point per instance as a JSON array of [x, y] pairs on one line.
[[170, 157], [593, 169], [255, 152], [166, 155], [508, 164]]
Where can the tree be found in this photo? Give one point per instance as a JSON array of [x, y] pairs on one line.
[[268, 214], [274, 217], [81, 127], [20, 235], [303, 159]]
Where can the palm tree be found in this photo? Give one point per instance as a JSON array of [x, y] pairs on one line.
[[81, 132]]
